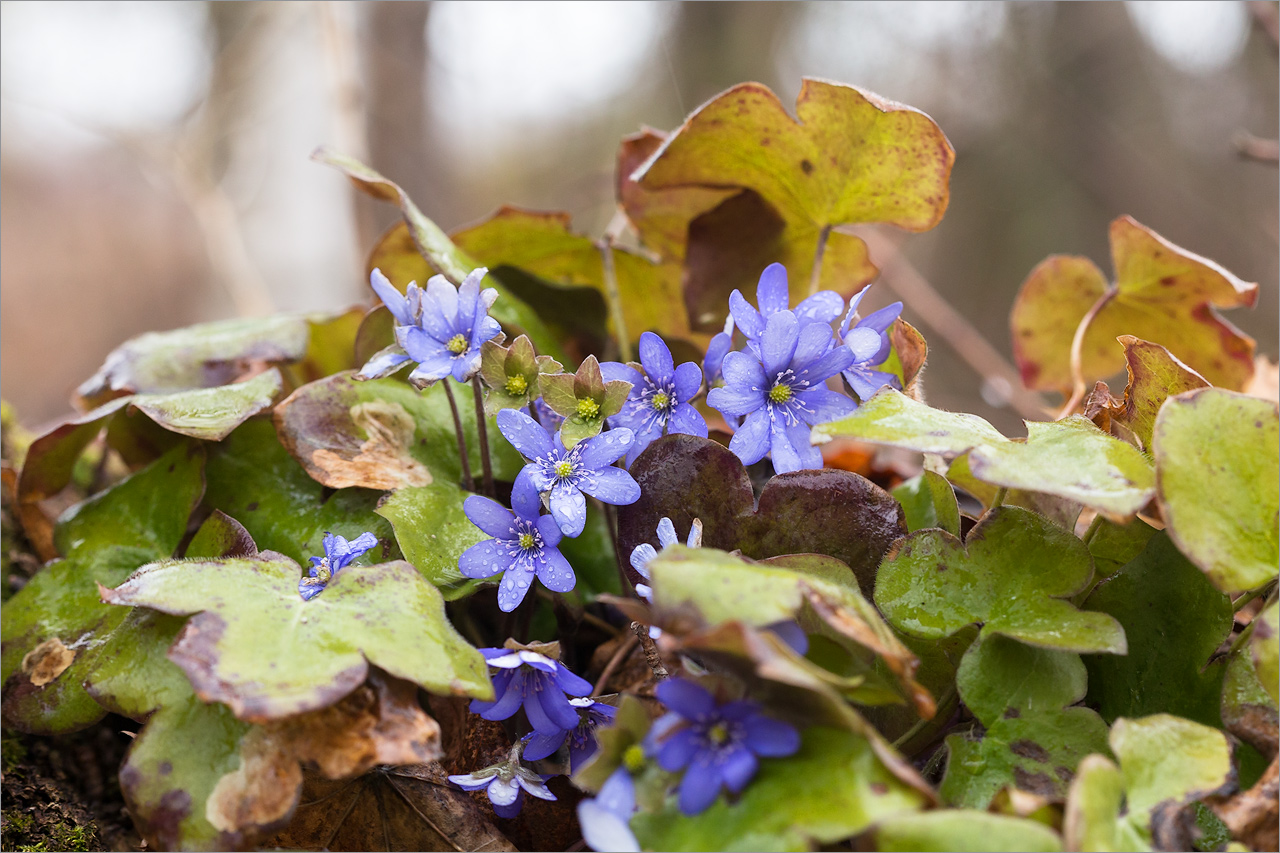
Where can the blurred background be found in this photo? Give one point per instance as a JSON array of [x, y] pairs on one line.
[[154, 165]]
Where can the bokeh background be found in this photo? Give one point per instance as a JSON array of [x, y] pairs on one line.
[[154, 165]]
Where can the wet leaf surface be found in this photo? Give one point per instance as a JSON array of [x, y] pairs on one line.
[[1164, 294], [1216, 455], [851, 157], [384, 614], [836, 513], [1010, 575], [382, 434], [929, 501], [1174, 620], [965, 830], [57, 621], [1070, 459], [832, 789]]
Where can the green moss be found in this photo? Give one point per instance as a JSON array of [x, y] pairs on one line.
[[11, 751]]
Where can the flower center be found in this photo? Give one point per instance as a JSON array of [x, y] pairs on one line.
[[323, 573], [633, 758], [517, 385], [588, 409], [780, 393], [526, 541], [457, 345], [564, 468], [660, 401], [718, 734]]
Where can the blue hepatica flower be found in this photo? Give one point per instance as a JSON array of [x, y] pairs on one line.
[[440, 328], [773, 296], [716, 745], [338, 553], [568, 474], [606, 817], [506, 784], [547, 416], [535, 682], [717, 349], [869, 343], [781, 394], [659, 398], [644, 552], [581, 738], [523, 545]]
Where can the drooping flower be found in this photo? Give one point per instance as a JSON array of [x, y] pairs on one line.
[[717, 745], [869, 343], [581, 738], [644, 552], [505, 784], [536, 682], [338, 553], [523, 545], [781, 392], [772, 295], [659, 398], [606, 818], [442, 329], [568, 474]]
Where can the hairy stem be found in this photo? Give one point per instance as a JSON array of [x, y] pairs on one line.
[[1077, 348], [482, 428], [463, 461]]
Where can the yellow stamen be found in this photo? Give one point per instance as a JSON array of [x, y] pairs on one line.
[[633, 758], [718, 734], [780, 393], [588, 409], [526, 540], [517, 385], [457, 345], [564, 468], [660, 401]]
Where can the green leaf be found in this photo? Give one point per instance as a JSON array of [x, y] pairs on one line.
[[1071, 459], [211, 413], [384, 614], [851, 157], [1174, 620], [1248, 711], [201, 356], [1000, 677], [1263, 646], [1037, 753], [1155, 375], [965, 830], [1163, 294], [253, 479], [1092, 818], [1060, 511], [1216, 455], [433, 531], [1168, 759], [929, 501], [1114, 545], [833, 788], [382, 434], [837, 513], [1010, 576], [394, 254], [54, 629]]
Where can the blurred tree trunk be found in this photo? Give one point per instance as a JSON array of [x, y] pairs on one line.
[[718, 45]]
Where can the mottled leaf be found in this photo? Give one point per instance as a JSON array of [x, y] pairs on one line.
[[1155, 375], [894, 419], [929, 501], [384, 614], [1010, 575], [1216, 457], [833, 788], [1163, 294], [1060, 511], [53, 630], [1248, 711], [383, 434], [331, 343], [1174, 620], [836, 513], [965, 830], [1263, 646], [211, 413]]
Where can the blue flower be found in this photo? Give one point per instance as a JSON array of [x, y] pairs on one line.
[[717, 349], [505, 784], [606, 817], [441, 329], [338, 553], [548, 417], [773, 296], [523, 545], [716, 745], [567, 474], [781, 392], [659, 398], [869, 343], [581, 738], [644, 552], [535, 682]]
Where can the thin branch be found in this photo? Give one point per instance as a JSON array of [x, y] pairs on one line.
[[463, 461], [619, 655], [1077, 350]]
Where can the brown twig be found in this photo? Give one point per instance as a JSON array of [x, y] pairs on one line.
[[651, 655], [619, 655]]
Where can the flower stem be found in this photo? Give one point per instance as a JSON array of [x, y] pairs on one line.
[[1094, 527], [1077, 357], [610, 524], [998, 500], [463, 462], [650, 650], [483, 430], [815, 276]]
